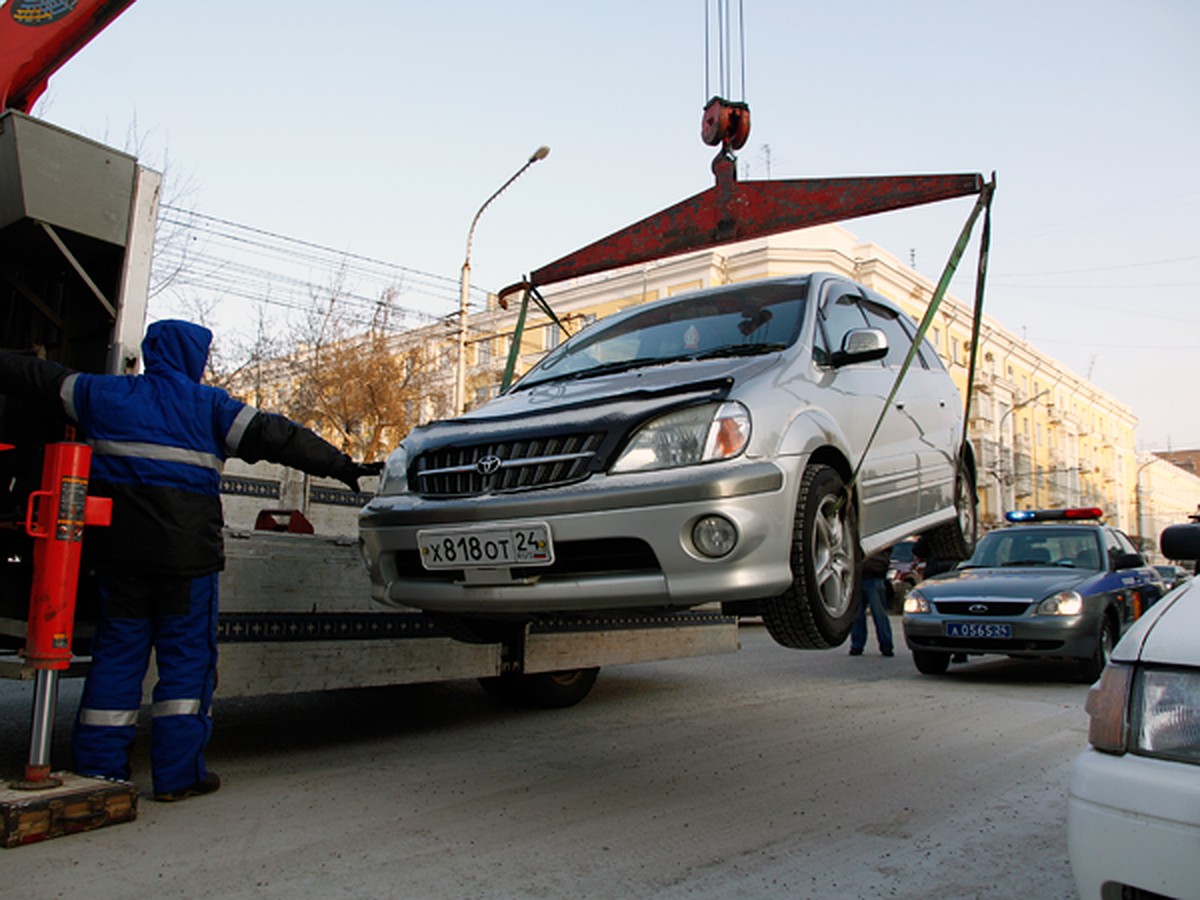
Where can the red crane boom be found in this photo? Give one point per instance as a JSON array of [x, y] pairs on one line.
[[38, 36]]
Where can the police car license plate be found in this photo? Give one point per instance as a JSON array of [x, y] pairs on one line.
[[978, 630], [527, 544]]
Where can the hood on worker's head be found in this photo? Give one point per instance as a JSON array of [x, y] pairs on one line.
[[174, 346]]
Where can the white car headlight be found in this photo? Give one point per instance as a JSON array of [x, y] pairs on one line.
[[1152, 712], [686, 437], [1064, 603], [1164, 717], [915, 602], [393, 480]]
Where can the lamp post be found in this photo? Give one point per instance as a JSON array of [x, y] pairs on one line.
[[464, 286], [1012, 453], [1137, 500]]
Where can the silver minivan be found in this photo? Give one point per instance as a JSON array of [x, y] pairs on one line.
[[729, 445]]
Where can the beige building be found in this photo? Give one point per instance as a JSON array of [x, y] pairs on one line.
[[1165, 494]]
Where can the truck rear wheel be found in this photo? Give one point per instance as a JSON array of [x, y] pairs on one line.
[[543, 690], [818, 609]]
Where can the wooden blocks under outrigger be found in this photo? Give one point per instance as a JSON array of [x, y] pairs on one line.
[[78, 804]]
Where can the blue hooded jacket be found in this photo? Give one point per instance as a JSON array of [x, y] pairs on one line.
[[158, 444]]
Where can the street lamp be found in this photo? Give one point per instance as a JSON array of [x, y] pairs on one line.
[[1012, 452], [464, 286], [1137, 500]]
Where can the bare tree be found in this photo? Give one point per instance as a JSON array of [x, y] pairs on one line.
[[360, 387]]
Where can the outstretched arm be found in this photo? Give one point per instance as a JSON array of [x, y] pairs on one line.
[[278, 439], [26, 375]]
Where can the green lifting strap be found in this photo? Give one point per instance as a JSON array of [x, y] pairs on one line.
[[528, 291], [982, 205]]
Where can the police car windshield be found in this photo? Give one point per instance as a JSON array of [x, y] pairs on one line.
[[751, 319], [1072, 547]]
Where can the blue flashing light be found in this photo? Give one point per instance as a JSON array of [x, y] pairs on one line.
[[1054, 515]]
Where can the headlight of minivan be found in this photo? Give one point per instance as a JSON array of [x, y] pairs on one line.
[[393, 480], [686, 437]]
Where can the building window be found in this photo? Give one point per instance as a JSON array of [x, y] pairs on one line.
[[553, 336]]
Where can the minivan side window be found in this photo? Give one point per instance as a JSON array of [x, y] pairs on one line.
[[839, 314], [925, 352], [888, 321]]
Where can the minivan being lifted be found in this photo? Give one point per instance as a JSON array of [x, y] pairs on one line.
[[719, 446]]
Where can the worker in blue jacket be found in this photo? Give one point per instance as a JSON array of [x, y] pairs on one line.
[[158, 443]]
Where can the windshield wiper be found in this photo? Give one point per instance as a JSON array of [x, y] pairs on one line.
[[607, 368], [740, 350], [1027, 562]]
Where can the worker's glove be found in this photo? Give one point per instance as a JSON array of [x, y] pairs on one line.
[[353, 471]]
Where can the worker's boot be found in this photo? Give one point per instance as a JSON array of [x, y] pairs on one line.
[[210, 784]]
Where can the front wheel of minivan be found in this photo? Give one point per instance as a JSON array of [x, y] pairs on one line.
[[816, 612]]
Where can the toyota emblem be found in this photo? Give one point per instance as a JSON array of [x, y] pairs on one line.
[[488, 465]]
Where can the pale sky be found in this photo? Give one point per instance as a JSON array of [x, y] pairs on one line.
[[378, 128]]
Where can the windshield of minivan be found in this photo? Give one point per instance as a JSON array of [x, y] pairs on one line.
[[747, 320]]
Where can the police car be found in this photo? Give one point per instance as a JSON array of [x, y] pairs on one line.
[[1055, 583]]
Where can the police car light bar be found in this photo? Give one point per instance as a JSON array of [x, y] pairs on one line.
[[1054, 515]]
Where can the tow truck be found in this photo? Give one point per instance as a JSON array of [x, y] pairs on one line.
[[296, 612], [77, 224]]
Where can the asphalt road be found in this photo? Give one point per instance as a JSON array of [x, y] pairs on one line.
[[763, 773]]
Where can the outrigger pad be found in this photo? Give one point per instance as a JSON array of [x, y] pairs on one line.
[[78, 803]]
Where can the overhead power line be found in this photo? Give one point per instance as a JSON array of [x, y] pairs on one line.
[[205, 255]]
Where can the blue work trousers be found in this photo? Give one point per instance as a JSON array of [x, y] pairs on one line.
[[874, 598], [177, 618]]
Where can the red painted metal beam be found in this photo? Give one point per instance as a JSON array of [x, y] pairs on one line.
[[37, 38], [738, 211]]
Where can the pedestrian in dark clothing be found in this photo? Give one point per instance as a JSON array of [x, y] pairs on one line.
[[158, 443], [933, 565], [873, 593]]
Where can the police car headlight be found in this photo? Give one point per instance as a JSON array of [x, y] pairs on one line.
[[1064, 603], [686, 437], [394, 478], [915, 602]]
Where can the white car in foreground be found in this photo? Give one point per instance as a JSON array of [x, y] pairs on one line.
[[1133, 813]]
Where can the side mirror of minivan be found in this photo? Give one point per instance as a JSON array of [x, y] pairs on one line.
[[861, 345]]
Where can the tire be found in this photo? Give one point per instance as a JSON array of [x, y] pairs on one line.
[[543, 690], [816, 612], [1090, 668], [956, 539], [931, 662]]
